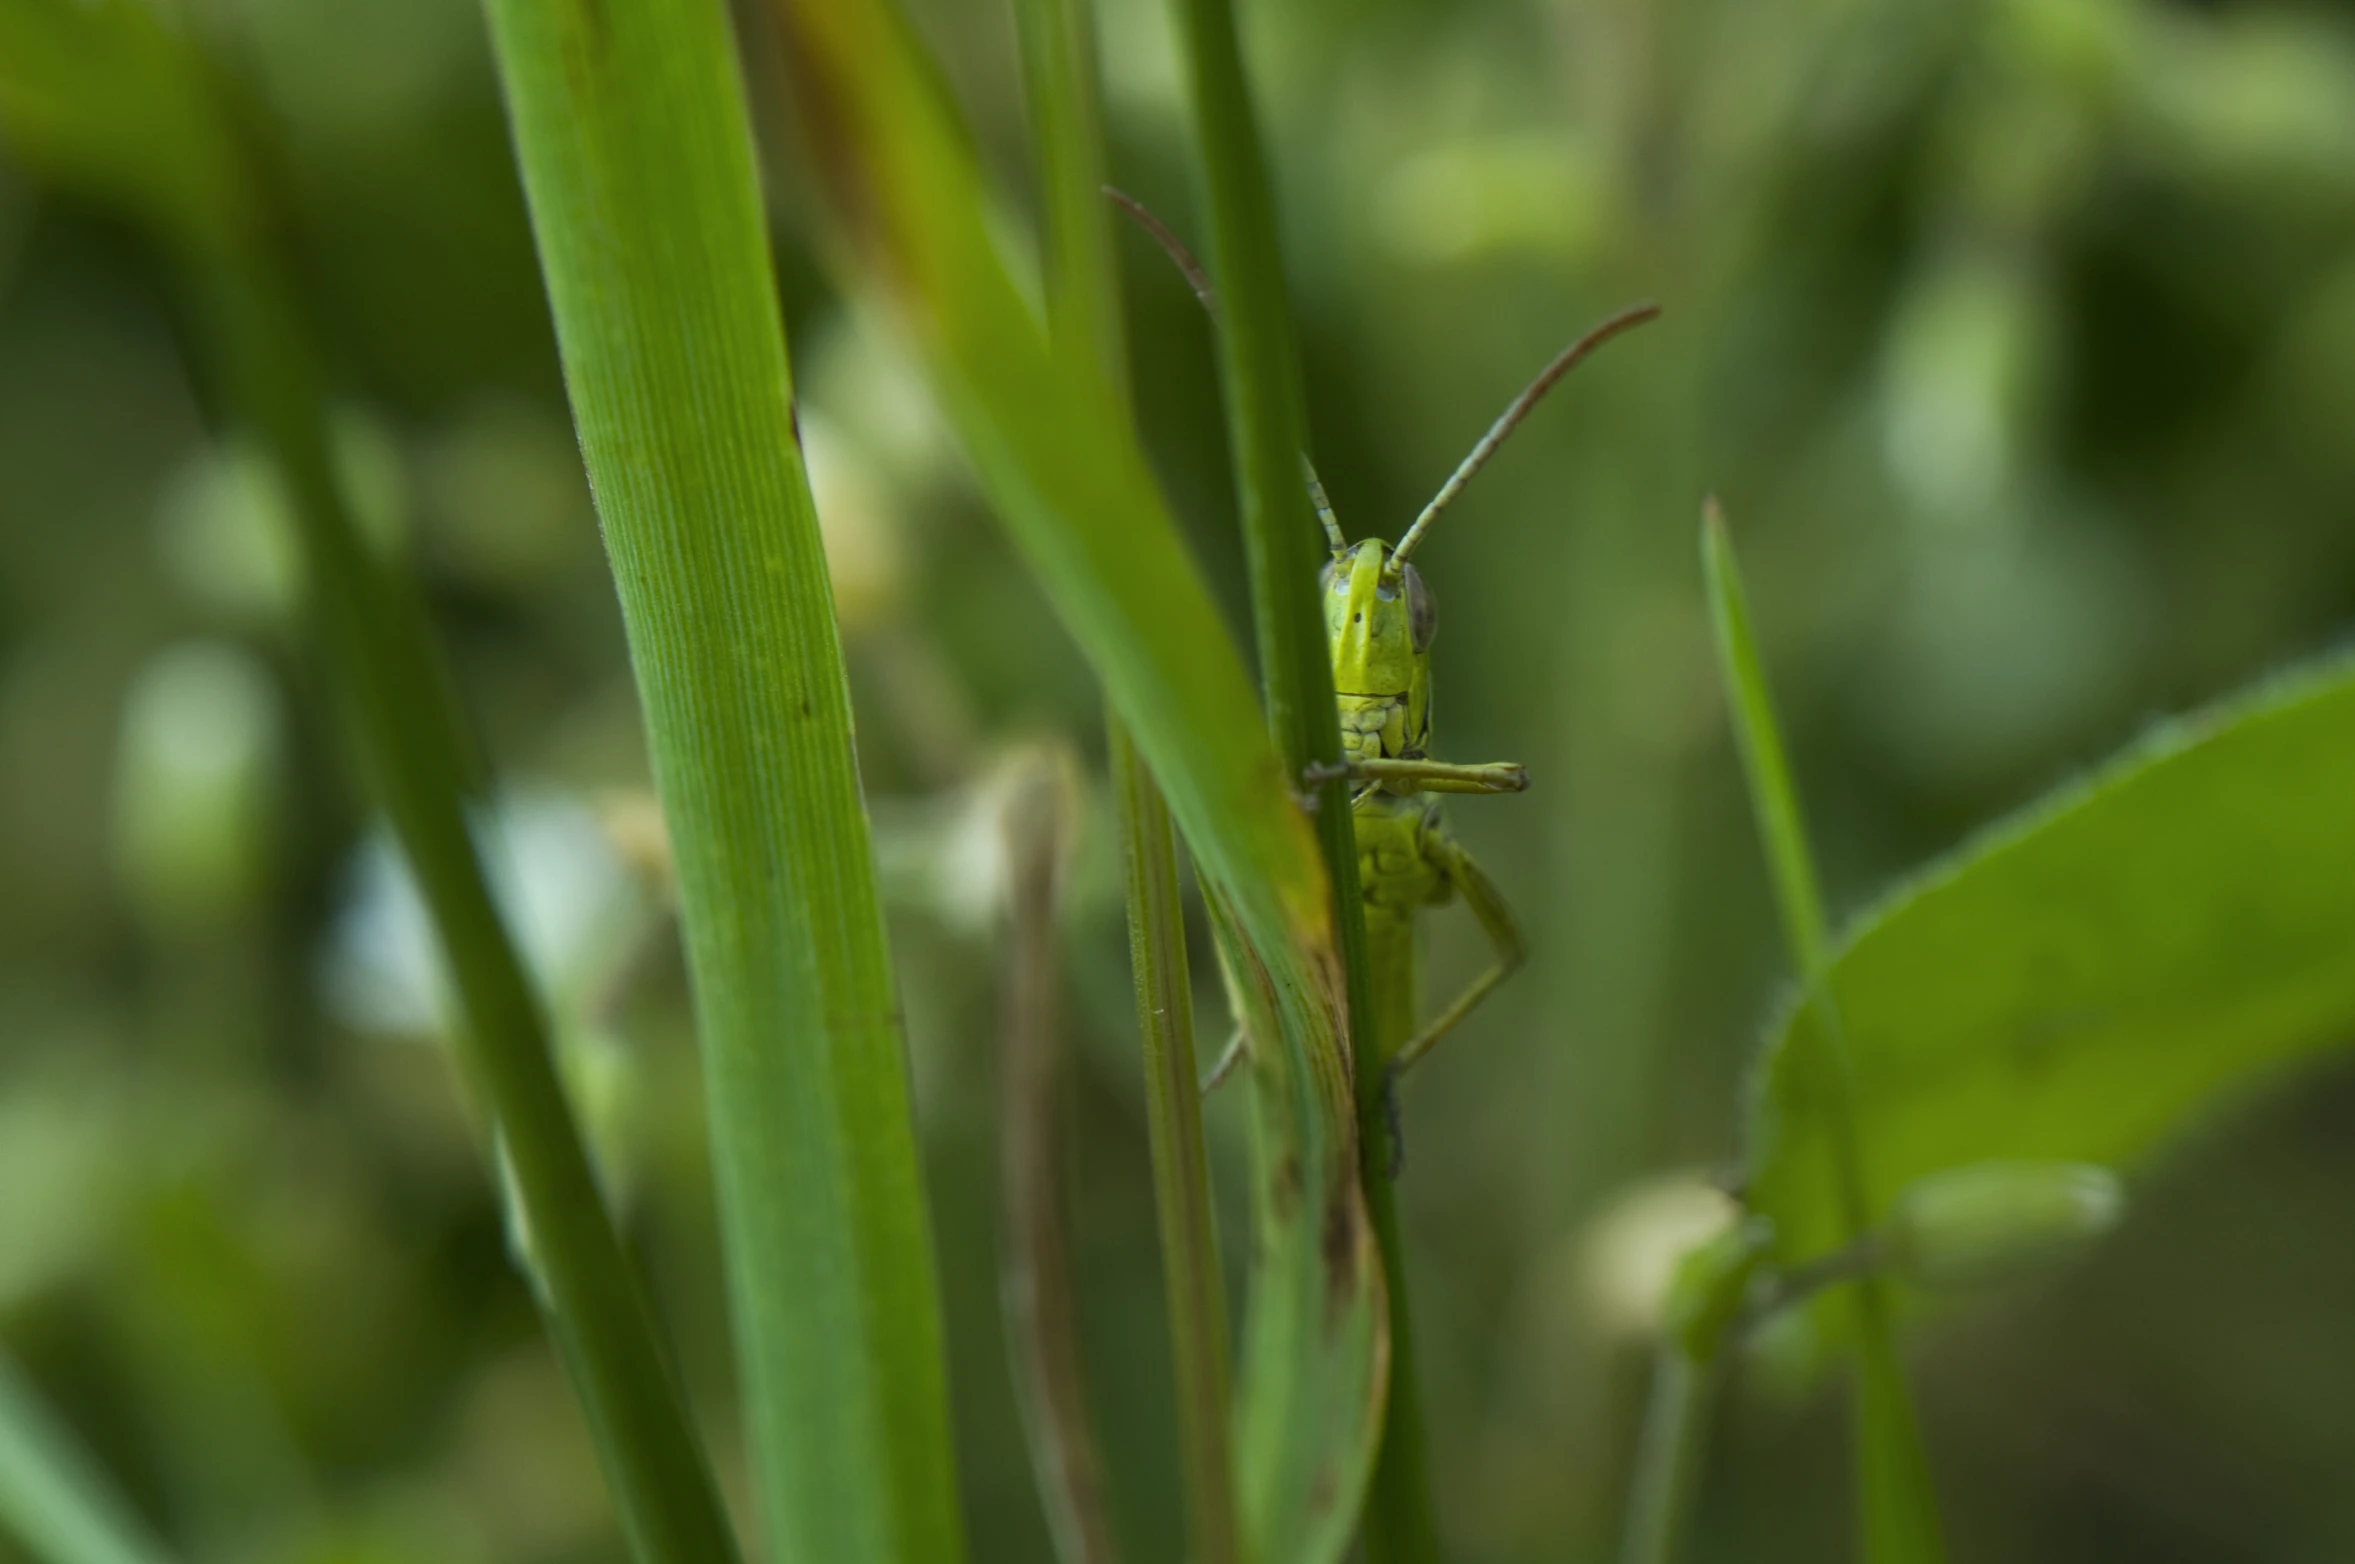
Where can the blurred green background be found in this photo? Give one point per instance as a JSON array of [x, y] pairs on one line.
[[2018, 338]]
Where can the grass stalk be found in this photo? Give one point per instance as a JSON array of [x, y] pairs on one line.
[[398, 703], [1181, 1170], [1898, 1517], [1063, 87], [1260, 370], [1668, 1457], [631, 131], [1401, 1523], [54, 1500]]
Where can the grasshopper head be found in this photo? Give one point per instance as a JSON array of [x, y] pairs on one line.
[[1380, 620]]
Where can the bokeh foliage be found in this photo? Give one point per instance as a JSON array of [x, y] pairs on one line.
[[2017, 337]]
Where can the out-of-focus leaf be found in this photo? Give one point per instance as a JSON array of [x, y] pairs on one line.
[[2093, 974], [115, 99], [52, 1499], [1063, 468], [111, 96]]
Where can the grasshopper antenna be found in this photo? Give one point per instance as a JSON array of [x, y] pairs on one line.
[[1171, 246], [1199, 281], [1510, 419], [1324, 507]]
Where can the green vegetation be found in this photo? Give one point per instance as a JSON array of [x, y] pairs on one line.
[[435, 609]]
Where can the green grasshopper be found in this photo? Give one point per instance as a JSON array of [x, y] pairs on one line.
[[1381, 618]]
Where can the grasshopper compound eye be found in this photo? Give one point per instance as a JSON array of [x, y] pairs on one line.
[[1422, 610]]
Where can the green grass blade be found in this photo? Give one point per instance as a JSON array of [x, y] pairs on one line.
[[53, 1500], [1063, 91], [1261, 373], [1898, 1506], [1284, 547], [1669, 1458], [1065, 472], [121, 86], [1774, 799], [1181, 1172], [631, 131], [1063, 87]]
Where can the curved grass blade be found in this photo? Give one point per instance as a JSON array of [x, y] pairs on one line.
[[1065, 472], [1062, 85], [115, 98], [631, 131], [1283, 544]]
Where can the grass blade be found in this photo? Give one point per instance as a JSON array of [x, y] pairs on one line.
[[1063, 91], [1668, 1460], [89, 90], [631, 131], [1899, 1512], [1063, 87], [1283, 546], [1181, 1173], [1064, 471], [53, 1499]]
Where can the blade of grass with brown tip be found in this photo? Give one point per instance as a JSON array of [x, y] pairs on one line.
[[1064, 471], [1062, 84]]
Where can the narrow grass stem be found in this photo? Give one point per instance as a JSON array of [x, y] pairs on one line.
[[376, 640], [1898, 1516], [1400, 1525], [1181, 1173], [1281, 538], [1668, 1457], [1282, 544], [1063, 89]]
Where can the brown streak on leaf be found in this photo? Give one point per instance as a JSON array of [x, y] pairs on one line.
[[825, 106]]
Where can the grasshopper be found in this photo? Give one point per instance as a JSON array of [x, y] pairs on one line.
[[1381, 618]]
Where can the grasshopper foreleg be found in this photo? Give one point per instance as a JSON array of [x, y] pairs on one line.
[[1422, 775]]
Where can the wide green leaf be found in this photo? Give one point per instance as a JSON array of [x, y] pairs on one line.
[[2089, 977]]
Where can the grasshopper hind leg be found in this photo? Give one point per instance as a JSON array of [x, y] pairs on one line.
[[1487, 903]]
